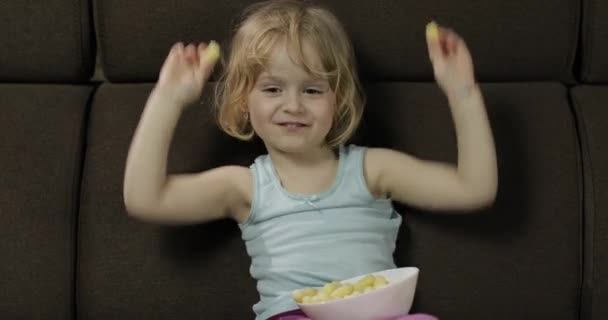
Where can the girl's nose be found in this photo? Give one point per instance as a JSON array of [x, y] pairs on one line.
[[293, 103]]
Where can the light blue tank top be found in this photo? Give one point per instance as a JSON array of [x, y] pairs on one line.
[[300, 240]]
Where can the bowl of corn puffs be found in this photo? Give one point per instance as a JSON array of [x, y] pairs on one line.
[[379, 295]]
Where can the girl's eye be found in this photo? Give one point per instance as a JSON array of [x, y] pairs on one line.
[[271, 90], [313, 91]]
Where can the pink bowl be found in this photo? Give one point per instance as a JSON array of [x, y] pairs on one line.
[[381, 304]]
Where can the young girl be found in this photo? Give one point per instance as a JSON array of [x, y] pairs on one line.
[[313, 209]]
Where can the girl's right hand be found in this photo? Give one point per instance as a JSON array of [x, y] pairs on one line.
[[186, 70]]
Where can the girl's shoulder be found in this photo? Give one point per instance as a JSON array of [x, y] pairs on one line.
[[370, 160]]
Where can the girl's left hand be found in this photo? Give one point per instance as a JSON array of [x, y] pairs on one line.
[[452, 63]]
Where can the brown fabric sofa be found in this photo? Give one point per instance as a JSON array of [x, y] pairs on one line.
[[68, 250]]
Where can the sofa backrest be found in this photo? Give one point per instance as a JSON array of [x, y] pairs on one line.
[[46, 59], [69, 250], [50, 41], [590, 104], [510, 40], [594, 49]]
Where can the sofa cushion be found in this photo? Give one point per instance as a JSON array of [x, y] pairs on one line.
[[49, 41], [519, 259], [594, 49], [591, 107], [130, 269], [41, 135], [515, 42]]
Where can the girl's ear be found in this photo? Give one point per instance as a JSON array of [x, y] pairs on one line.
[[245, 111]]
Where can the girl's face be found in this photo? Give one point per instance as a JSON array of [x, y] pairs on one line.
[[289, 109]]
